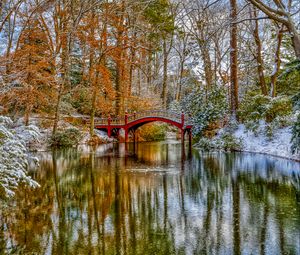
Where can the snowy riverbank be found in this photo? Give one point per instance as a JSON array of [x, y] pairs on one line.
[[279, 145]]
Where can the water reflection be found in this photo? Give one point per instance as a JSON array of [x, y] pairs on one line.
[[148, 199]]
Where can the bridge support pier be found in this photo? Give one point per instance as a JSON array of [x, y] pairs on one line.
[[190, 137], [126, 136], [182, 136]]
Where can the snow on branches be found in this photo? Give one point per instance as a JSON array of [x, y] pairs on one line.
[[14, 158]]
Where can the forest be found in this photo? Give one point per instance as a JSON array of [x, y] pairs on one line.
[[232, 66]]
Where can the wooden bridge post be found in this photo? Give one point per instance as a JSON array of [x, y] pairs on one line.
[[126, 129], [190, 137], [190, 143], [182, 135], [108, 128], [182, 128]]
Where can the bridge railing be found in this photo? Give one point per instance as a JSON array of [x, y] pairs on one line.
[[101, 121], [139, 115], [156, 113]]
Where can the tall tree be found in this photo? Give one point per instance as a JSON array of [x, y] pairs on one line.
[[31, 72], [233, 58], [258, 55], [161, 16]]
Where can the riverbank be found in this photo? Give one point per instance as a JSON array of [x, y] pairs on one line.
[[278, 145]]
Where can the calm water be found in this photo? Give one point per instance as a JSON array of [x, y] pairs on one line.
[[153, 200]]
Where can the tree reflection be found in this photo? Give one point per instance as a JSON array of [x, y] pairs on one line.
[[154, 202]]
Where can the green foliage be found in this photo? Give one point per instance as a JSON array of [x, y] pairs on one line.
[[253, 126], [153, 132], [65, 138], [296, 126], [230, 143], [296, 102], [224, 142], [256, 107], [289, 79], [205, 107], [278, 107], [158, 15], [80, 100], [253, 107], [175, 106]]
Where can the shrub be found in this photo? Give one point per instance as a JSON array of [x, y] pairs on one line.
[[225, 142], [229, 142], [253, 126], [205, 107], [296, 136], [278, 107], [289, 79], [14, 157], [296, 126], [65, 138], [259, 107], [296, 101], [205, 144], [253, 107]]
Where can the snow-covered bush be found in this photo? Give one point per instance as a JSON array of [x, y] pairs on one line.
[[205, 106], [296, 126], [259, 107], [14, 158], [253, 107], [224, 142], [289, 79], [175, 106], [278, 107], [296, 136], [66, 138]]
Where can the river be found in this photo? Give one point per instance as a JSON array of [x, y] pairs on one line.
[[155, 198]]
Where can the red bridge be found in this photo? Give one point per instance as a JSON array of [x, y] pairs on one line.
[[131, 122]]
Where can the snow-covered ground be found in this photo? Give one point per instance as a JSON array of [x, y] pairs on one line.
[[279, 145]]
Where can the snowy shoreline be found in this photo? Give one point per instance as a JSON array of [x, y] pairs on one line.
[[278, 146], [272, 155]]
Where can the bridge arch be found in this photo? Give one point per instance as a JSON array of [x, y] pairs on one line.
[[140, 122], [131, 122]]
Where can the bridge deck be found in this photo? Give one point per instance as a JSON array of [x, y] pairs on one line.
[[130, 122]]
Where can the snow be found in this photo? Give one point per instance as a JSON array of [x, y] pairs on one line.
[[14, 157], [101, 135], [279, 145]]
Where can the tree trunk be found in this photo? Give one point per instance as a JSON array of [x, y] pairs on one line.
[[65, 39], [56, 116], [207, 66], [277, 62], [119, 62], [295, 36], [165, 75], [178, 95], [296, 44], [259, 59], [233, 58], [204, 48], [27, 114], [92, 80]]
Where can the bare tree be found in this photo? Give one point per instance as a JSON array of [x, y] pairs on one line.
[[282, 12]]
